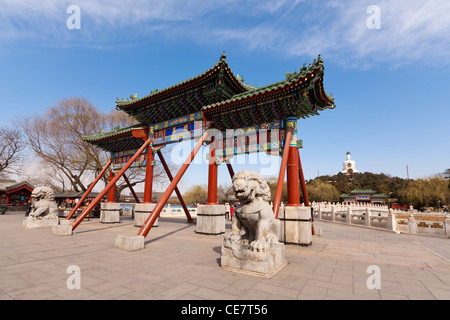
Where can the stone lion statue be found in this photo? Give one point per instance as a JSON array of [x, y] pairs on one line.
[[43, 204], [253, 215]]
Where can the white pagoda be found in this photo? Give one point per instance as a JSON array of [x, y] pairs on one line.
[[349, 165]]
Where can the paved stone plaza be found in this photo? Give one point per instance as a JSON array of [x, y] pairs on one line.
[[179, 264]]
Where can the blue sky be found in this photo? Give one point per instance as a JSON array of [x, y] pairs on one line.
[[391, 85]]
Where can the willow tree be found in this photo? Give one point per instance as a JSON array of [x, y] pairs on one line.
[[56, 138]]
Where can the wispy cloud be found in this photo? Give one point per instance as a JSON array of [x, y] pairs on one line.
[[411, 30]]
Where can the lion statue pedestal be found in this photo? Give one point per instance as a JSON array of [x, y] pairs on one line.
[[44, 210], [252, 247]]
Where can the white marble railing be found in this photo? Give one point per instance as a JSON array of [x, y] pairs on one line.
[[380, 216]]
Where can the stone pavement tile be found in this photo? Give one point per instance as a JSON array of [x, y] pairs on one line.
[[242, 285], [342, 278], [135, 295], [212, 294], [392, 296], [335, 294], [360, 288], [312, 292], [113, 293], [443, 275], [33, 293], [74, 294], [440, 293], [4, 296], [325, 269], [294, 282], [286, 292], [210, 283], [10, 283], [177, 291], [144, 287], [392, 287], [332, 285], [253, 294]]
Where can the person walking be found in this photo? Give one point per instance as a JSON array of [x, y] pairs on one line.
[[28, 209]]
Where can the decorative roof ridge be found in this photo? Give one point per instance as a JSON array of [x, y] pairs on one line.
[[222, 61], [290, 78], [362, 191], [115, 132]]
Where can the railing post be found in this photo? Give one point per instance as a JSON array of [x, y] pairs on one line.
[[391, 222], [412, 224], [367, 218], [348, 217]]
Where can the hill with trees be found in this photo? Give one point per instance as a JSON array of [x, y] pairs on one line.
[[432, 191]]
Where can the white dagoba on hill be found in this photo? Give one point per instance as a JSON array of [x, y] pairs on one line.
[[349, 165]]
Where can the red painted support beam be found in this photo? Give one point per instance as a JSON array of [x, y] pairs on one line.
[[162, 202], [100, 175], [277, 199], [112, 191], [293, 186], [183, 204], [230, 169], [212, 174], [110, 185], [131, 189], [302, 181], [149, 176]]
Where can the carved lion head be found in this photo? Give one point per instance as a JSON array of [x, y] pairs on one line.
[[247, 185], [43, 193]]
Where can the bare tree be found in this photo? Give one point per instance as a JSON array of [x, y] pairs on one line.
[[56, 137], [11, 147]]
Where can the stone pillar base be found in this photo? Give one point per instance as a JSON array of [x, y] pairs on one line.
[[110, 212], [44, 223], [211, 219], [296, 225], [142, 212], [130, 242], [64, 228], [260, 264]]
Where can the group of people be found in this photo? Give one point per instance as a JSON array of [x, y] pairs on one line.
[[229, 215]]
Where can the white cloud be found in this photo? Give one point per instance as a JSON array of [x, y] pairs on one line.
[[411, 30]]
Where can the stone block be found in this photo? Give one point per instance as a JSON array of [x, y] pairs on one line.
[[110, 212], [142, 212], [44, 223], [130, 242], [64, 228], [211, 219], [296, 225], [262, 264]]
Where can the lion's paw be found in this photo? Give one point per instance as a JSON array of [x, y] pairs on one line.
[[259, 246]]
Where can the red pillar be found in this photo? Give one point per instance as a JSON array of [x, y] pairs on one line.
[[149, 176], [112, 191], [212, 175], [278, 193], [293, 186]]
